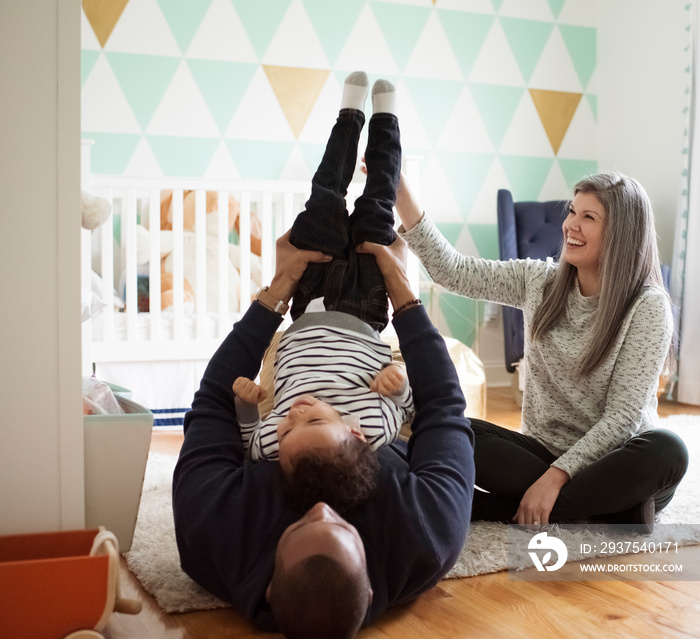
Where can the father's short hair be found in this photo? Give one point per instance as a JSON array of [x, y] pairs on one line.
[[344, 479], [317, 597]]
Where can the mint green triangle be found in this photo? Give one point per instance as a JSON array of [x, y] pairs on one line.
[[184, 17], [333, 22], [180, 156], [461, 315], [87, 63], [485, 237], [222, 85], [450, 230], [111, 152], [593, 101], [556, 6], [527, 39], [401, 26], [467, 33], [497, 4], [143, 79], [434, 100], [465, 173], [261, 19], [526, 175], [312, 154], [497, 105], [258, 159], [575, 170], [581, 44]]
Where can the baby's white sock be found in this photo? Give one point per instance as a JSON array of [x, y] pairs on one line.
[[383, 97], [355, 91]]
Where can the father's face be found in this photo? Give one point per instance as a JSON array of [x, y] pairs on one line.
[[321, 531]]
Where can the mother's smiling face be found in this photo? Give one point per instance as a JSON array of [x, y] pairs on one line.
[[583, 232]]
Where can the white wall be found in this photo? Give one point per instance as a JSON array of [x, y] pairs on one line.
[[41, 451], [641, 82]]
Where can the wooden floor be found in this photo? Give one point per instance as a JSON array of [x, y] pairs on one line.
[[488, 606]]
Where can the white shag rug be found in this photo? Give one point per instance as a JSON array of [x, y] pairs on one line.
[[154, 559]]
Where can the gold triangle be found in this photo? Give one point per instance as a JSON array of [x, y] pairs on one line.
[[297, 91], [556, 110], [103, 16]]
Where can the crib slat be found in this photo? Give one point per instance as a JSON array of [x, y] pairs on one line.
[[268, 244], [200, 229], [107, 270], [244, 246], [154, 301], [288, 213], [178, 265], [222, 232], [129, 256]]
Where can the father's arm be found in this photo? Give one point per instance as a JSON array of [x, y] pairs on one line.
[[440, 450], [239, 355]]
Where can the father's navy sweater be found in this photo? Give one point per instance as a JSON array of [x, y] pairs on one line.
[[229, 511]]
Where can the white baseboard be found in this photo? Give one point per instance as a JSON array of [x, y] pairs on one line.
[[496, 374]]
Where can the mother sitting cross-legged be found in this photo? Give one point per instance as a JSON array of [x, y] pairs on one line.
[[598, 329], [314, 571]]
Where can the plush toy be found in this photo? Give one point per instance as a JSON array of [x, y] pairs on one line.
[[212, 205], [95, 210], [212, 250]]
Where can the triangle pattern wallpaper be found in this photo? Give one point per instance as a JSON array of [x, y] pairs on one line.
[[490, 96]]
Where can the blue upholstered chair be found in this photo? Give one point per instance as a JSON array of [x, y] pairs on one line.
[[525, 229]]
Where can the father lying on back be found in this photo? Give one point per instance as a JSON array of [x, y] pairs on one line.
[[319, 573]]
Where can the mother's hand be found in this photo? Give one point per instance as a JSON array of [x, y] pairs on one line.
[[538, 500]]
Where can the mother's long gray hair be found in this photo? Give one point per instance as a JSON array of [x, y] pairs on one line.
[[629, 262]]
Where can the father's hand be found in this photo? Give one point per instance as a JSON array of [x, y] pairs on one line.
[[290, 265], [392, 261]]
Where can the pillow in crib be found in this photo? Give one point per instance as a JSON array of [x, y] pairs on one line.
[[91, 304]]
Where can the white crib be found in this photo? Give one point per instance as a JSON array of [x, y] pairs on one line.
[[160, 355]]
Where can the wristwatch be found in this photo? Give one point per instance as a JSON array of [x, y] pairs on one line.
[[271, 302]]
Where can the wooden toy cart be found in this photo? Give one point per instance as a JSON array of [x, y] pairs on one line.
[[60, 585]]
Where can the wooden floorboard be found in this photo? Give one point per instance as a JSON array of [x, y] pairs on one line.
[[488, 606]]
